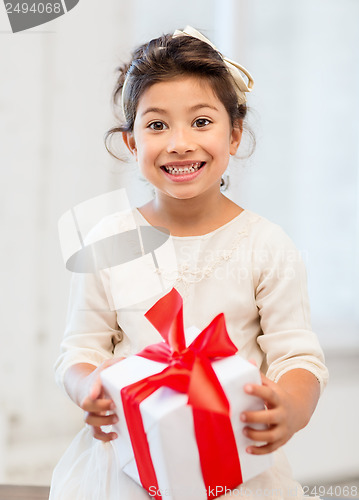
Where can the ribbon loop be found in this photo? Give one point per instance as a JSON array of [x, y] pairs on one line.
[[214, 340], [170, 325]]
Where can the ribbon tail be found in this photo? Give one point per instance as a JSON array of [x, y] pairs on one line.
[[132, 396], [217, 446], [218, 451], [205, 391]]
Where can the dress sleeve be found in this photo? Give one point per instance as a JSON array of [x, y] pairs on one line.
[[281, 295], [92, 329]]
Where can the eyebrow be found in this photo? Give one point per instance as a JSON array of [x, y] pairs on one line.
[[193, 108], [153, 110], [203, 105]]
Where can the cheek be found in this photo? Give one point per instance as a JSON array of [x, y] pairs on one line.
[[146, 160], [220, 142], [221, 147], [142, 151], [146, 146]]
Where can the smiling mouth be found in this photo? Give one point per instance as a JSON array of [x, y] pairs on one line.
[[186, 169]]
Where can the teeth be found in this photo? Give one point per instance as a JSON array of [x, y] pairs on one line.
[[193, 167]]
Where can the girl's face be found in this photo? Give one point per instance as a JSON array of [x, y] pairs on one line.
[[182, 137]]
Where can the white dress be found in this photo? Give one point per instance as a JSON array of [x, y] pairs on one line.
[[250, 270]]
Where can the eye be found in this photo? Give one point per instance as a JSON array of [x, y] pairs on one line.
[[201, 122], [157, 125]]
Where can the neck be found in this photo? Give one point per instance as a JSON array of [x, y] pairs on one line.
[[189, 217]]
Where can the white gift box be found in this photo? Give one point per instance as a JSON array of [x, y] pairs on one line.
[[168, 423]]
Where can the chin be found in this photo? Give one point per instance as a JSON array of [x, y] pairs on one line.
[[183, 196]]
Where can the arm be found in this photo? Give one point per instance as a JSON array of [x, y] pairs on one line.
[[290, 404], [281, 295], [87, 349], [304, 389], [93, 336], [294, 361]]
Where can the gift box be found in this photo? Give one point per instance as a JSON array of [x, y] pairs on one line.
[[179, 430]]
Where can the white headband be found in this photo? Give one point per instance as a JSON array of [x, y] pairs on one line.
[[234, 68]]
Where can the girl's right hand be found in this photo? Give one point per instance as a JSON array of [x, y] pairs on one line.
[[99, 409]]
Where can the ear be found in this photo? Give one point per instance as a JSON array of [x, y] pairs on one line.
[[236, 136], [129, 140]]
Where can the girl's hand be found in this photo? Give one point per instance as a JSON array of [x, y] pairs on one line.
[[280, 417], [99, 410]]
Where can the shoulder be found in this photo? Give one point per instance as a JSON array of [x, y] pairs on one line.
[[267, 234], [110, 225], [270, 246], [95, 245]]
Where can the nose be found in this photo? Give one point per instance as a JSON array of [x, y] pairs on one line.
[[180, 141]]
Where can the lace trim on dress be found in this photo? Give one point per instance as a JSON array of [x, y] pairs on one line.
[[186, 276]]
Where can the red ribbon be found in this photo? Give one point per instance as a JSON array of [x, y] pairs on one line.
[[189, 371]]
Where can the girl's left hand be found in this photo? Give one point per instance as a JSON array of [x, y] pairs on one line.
[[280, 417]]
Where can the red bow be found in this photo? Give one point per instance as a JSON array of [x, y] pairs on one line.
[[189, 371]]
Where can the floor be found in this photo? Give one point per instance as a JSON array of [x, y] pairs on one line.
[[12, 492]]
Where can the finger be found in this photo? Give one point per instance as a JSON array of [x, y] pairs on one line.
[[267, 417], [97, 405], [263, 450], [267, 381], [98, 433], [96, 390], [98, 420], [265, 436], [268, 394]]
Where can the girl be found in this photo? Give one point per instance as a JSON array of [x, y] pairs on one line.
[[184, 108]]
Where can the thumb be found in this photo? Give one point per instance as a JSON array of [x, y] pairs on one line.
[[96, 390], [267, 381]]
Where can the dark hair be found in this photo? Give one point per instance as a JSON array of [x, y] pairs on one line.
[[167, 57]]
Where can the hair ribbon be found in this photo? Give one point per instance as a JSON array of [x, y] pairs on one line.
[[233, 67]]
